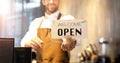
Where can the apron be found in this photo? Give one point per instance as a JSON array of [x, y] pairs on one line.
[[51, 51]]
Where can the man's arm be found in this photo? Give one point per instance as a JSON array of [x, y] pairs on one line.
[[30, 39]]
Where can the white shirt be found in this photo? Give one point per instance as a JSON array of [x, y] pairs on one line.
[[47, 20]]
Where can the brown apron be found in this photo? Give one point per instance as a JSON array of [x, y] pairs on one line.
[[51, 51]]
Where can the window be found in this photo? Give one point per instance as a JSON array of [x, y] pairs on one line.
[[15, 17]]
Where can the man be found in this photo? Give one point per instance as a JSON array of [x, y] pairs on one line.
[[38, 37]]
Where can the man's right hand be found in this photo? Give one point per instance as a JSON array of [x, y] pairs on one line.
[[35, 43]]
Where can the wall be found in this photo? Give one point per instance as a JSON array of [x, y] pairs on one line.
[[103, 21]]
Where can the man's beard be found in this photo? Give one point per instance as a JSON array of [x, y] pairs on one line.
[[50, 10]]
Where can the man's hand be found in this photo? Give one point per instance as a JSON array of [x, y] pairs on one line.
[[35, 43], [68, 43]]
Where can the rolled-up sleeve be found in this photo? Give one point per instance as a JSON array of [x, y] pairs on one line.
[[32, 32]]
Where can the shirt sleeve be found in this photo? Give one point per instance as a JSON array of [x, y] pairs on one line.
[[67, 17], [32, 32]]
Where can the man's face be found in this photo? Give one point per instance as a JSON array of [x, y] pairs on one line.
[[51, 5]]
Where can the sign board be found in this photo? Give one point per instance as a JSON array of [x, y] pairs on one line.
[[74, 28]]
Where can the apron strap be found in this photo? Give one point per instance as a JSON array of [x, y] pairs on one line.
[[59, 16]]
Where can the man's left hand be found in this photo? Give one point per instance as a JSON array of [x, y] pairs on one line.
[[68, 43]]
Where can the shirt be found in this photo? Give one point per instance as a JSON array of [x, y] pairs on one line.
[[47, 20]]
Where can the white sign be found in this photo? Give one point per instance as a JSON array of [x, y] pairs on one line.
[[75, 28]]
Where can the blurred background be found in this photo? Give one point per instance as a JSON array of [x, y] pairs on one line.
[[103, 18], [16, 15]]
